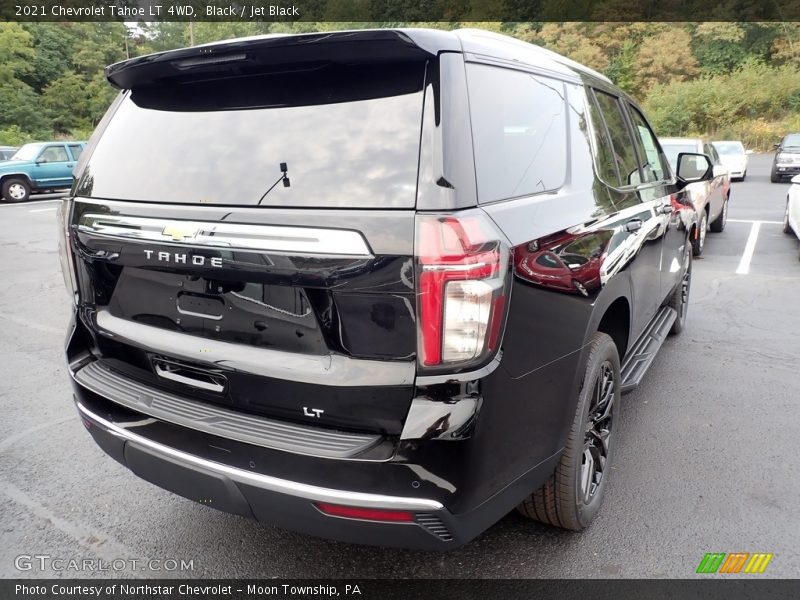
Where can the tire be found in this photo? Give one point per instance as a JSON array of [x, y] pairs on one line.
[[699, 240], [774, 177], [573, 494], [679, 300], [718, 224], [786, 227], [16, 190]]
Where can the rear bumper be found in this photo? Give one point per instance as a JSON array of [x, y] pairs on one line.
[[457, 475], [282, 488], [272, 500]]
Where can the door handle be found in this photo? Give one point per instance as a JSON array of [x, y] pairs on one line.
[[666, 209]]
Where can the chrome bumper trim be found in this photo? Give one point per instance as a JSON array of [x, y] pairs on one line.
[[328, 369], [282, 486]]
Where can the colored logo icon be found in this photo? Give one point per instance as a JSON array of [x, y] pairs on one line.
[[735, 562]]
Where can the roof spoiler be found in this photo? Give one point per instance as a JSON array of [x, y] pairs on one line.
[[272, 52]]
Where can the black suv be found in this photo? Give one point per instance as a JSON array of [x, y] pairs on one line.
[[380, 286]]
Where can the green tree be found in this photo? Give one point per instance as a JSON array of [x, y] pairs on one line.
[[16, 52], [663, 58], [571, 40], [719, 46]]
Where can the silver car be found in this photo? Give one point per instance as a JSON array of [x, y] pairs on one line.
[[709, 198]]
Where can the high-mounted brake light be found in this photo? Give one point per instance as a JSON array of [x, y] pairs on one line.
[[211, 59], [462, 266]]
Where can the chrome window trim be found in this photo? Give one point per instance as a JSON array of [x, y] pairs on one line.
[[231, 236], [266, 482]]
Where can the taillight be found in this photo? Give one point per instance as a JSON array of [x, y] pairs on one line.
[[462, 266], [65, 256]]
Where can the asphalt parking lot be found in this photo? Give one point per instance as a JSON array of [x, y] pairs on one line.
[[706, 460]]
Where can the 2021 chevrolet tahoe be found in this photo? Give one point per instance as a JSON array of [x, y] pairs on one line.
[[380, 286]]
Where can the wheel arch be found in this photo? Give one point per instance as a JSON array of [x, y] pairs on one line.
[[616, 322], [612, 314], [6, 176]]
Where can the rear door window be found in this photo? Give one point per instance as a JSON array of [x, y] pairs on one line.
[[622, 149], [519, 131], [76, 150]]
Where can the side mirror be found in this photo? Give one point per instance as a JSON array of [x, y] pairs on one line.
[[693, 168], [40, 161], [748, 151], [795, 179], [776, 146]]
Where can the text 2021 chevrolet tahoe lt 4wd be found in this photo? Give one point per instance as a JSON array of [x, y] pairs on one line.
[[380, 286]]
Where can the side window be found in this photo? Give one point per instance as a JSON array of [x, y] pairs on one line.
[[519, 131], [604, 159], [622, 148], [76, 150], [54, 154], [655, 164]]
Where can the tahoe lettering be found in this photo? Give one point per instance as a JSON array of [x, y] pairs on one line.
[[182, 258]]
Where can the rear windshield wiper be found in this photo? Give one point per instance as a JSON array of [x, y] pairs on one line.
[[284, 178]]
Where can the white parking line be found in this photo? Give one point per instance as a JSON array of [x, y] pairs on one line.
[[44, 209], [754, 221], [749, 248], [13, 205]]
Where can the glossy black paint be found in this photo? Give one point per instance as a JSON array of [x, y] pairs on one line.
[[587, 257]]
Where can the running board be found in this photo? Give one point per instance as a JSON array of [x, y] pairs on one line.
[[645, 349]]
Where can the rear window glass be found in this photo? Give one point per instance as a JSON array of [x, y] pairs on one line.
[[519, 131], [349, 137]]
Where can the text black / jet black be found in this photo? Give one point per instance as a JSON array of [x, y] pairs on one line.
[[379, 286]]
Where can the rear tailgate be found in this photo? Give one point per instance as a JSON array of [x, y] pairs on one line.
[[310, 317]]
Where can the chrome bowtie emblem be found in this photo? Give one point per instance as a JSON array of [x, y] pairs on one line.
[[179, 232]]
